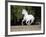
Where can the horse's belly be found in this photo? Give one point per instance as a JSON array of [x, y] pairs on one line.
[[29, 17]]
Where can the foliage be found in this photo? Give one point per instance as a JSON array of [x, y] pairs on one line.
[[16, 12]]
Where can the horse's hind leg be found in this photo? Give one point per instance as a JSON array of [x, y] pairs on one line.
[[28, 23], [32, 21]]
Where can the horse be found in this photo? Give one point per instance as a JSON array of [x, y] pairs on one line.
[[29, 18]]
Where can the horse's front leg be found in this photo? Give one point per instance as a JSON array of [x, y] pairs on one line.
[[22, 22]]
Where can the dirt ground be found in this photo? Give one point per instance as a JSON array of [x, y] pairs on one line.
[[25, 28]]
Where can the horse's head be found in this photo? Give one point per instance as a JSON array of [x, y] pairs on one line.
[[24, 12]]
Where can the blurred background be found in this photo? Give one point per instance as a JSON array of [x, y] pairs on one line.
[[16, 14]]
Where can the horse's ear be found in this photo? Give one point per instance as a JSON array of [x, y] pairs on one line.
[[24, 10]]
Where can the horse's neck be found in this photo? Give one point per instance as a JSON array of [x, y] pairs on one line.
[[26, 15]]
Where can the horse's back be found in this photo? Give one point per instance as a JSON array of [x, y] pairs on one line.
[[31, 16]]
